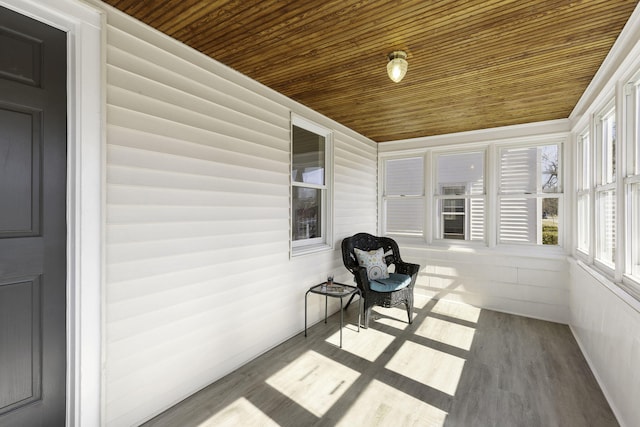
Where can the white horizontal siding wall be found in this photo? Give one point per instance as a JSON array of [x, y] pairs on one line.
[[529, 286], [606, 323], [198, 274]]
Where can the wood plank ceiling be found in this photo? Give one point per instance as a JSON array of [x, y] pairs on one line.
[[473, 64]]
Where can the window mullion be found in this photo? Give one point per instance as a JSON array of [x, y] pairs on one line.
[[429, 180], [620, 172], [308, 185], [491, 186]]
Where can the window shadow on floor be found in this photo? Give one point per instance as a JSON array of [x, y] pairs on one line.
[[455, 365]]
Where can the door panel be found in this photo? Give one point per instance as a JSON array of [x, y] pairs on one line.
[[20, 367], [20, 173], [22, 58], [32, 222]]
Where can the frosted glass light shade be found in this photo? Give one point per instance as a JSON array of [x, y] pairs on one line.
[[397, 66]]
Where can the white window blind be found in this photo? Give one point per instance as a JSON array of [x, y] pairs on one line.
[[634, 235], [404, 195], [583, 195], [605, 189], [518, 171], [606, 217], [584, 215], [608, 147]]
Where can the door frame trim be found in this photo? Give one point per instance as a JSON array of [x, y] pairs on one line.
[[85, 197]]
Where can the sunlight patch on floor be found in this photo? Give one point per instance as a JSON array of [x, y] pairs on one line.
[[382, 405], [240, 413], [420, 301], [313, 381], [457, 310], [368, 343], [428, 366], [447, 332], [396, 317]]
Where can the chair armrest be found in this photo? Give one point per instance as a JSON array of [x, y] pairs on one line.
[[407, 268], [362, 279]]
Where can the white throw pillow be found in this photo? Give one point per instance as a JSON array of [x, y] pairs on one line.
[[373, 261]]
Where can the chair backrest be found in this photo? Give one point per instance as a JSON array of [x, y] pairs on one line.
[[368, 242]]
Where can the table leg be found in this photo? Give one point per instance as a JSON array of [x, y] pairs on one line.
[[325, 308], [305, 313], [341, 321], [359, 308]]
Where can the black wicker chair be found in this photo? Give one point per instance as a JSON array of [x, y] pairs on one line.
[[367, 242]]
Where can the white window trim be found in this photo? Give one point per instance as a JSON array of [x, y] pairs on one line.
[[326, 241]]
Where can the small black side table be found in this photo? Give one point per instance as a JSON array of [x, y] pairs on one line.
[[334, 290]]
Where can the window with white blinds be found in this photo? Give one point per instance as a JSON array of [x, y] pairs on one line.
[[606, 226], [530, 195], [583, 185], [460, 196], [444, 195], [605, 188], [403, 197]]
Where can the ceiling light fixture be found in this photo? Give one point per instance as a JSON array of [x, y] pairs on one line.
[[397, 66]]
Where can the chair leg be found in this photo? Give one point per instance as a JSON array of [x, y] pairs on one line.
[[409, 310], [367, 315], [350, 299]]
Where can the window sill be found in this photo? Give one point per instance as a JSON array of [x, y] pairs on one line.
[[623, 291], [310, 249], [529, 251], [632, 286]]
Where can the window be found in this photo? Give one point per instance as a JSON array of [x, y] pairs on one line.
[[460, 196], [530, 195], [403, 196], [634, 225], [310, 186], [583, 188], [632, 187], [605, 188], [449, 197]]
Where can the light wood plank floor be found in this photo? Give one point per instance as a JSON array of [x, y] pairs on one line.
[[456, 365]]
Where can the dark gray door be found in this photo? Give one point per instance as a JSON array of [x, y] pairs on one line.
[[32, 222]]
